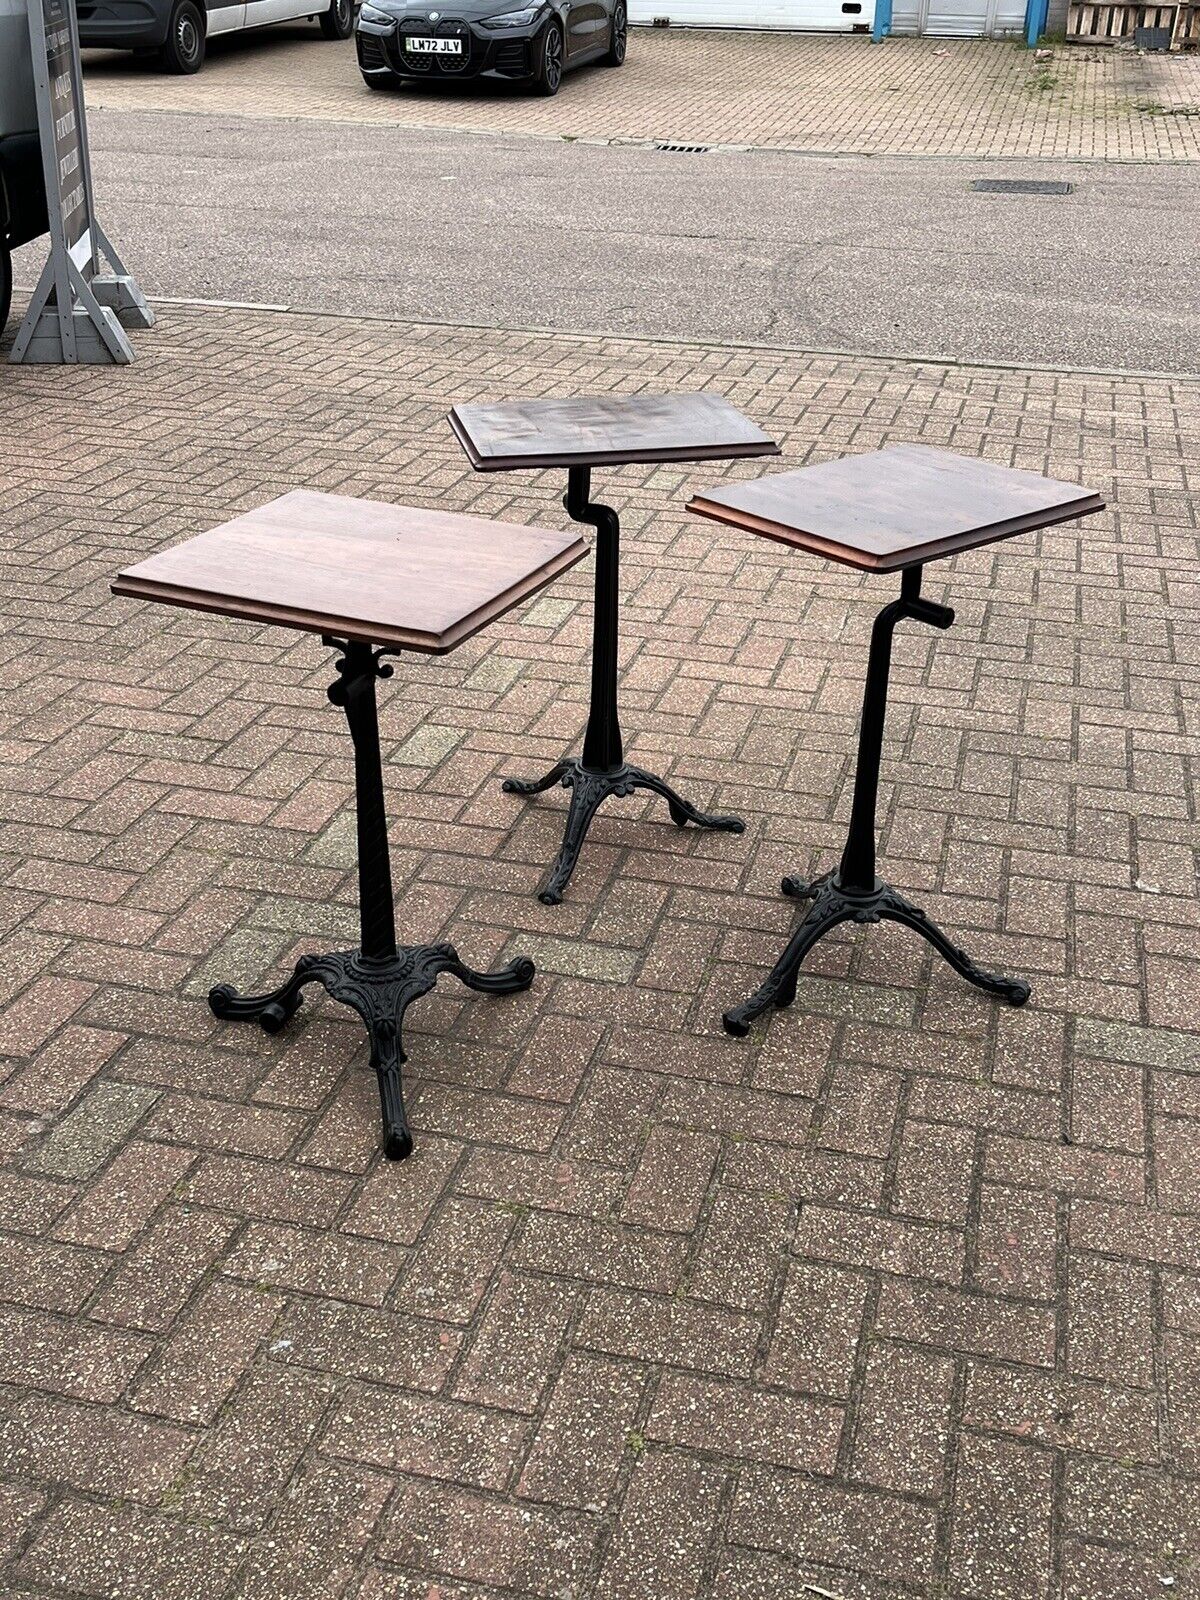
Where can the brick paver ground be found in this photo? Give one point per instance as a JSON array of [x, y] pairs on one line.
[[897, 1298], [806, 92]]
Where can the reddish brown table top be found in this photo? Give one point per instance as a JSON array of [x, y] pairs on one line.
[[607, 430], [896, 507], [358, 569]]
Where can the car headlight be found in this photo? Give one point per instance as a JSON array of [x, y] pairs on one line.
[[512, 19], [381, 19]]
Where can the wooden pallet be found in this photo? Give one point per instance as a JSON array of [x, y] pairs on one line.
[[1114, 22]]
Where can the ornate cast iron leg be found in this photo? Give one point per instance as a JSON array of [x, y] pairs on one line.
[[854, 893], [602, 771], [779, 987], [557, 774], [683, 811], [380, 979], [588, 789], [895, 908], [271, 1011]]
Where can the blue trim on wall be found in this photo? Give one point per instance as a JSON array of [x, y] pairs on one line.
[[1036, 13], [882, 25]]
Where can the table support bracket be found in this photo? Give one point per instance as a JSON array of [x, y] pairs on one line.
[[380, 979], [603, 770], [854, 892]]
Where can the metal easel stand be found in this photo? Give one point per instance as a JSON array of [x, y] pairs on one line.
[[117, 290], [854, 893], [79, 316]]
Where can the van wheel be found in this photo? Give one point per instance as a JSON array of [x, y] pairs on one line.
[[5, 284], [183, 48], [338, 21]]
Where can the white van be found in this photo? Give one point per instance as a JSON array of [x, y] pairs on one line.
[[22, 187], [175, 31]]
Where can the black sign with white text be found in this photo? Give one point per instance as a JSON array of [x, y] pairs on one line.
[[62, 65]]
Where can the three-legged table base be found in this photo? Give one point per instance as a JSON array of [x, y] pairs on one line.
[[831, 904], [589, 787], [381, 992]]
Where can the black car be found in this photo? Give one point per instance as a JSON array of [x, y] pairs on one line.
[[401, 40]]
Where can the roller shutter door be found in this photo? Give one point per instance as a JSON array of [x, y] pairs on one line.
[[960, 19]]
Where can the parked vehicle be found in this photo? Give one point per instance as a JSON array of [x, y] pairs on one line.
[[175, 32], [22, 186], [398, 40]]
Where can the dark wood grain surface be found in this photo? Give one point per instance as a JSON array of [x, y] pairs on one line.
[[607, 430], [895, 507], [358, 569]]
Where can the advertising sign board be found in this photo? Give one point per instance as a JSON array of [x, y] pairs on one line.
[[66, 117], [76, 311]]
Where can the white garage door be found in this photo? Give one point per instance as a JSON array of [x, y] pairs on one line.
[[960, 19], [822, 16]]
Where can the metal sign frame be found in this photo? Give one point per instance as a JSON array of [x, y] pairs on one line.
[[77, 311]]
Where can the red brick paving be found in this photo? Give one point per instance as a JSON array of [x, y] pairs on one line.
[[897, 1298]]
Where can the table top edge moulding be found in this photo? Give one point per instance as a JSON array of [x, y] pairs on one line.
[[721, 431], [227, 570], [836, 508]]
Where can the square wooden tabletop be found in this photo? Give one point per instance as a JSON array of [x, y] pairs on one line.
[[605, 430], [358, 569], [895, 507]]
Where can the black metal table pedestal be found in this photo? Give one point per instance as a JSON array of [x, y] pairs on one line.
[[853, 893], [380, 979], [602, 771]]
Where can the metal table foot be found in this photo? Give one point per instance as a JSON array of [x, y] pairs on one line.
[[589, 789], [854, 893], [602, 770], [380, 979]]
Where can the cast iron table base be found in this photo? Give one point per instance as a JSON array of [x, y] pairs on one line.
[[853, 893], [381, 979], [603, 770]]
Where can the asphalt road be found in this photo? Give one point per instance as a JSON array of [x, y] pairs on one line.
[[870, 254]]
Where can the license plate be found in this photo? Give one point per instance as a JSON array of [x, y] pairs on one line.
[[434, 47]]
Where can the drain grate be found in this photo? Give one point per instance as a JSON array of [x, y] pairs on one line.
[[1020, 186], [684, 149]]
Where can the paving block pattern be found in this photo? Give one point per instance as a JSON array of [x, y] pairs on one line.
[[896, 1299], [811, 92]]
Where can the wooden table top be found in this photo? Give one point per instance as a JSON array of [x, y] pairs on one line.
[[607, 430], [358, 569], [895, 507]]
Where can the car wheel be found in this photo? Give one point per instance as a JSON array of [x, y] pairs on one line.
[[617, 37], [183, 48], [378, 80], [338, 21], [550, 60], [5, 285]]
